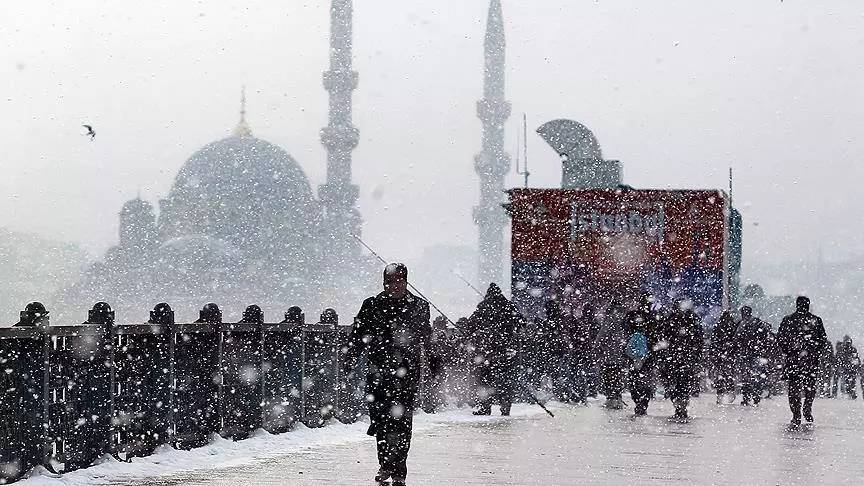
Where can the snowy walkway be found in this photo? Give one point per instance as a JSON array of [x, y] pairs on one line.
[[728, 445]]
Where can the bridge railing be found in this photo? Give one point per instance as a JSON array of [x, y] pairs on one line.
[[70, 394]]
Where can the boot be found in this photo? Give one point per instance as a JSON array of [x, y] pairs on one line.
[[808, 414], [505, 409], [796, 418], [382, 476]]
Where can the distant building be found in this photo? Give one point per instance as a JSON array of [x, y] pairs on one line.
[[242, 225]]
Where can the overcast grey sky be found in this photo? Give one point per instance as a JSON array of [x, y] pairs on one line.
[[676, 90]]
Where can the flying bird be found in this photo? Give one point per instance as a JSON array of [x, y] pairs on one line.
[[90, 132]]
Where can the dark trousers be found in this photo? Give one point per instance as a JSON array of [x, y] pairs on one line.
[[680, 386], [753, 384], [801, 383], [391, 425], [724, 381], [849, 378], [641, 388], [497, 381], [613, 381], [580, 381]]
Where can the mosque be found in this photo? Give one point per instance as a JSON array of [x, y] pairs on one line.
[[242, 224]]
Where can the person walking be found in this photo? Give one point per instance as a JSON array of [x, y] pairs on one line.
[[801, 339], [581, 354], [641, 329], [393, 327], [683, 336], [610, 344], [723, 357], [752, 342], [848, 366], [496, 323]]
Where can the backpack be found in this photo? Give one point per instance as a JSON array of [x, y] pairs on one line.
[[637, 346]]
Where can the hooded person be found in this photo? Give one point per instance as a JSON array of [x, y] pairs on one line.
[[496, 323], [641, 328]]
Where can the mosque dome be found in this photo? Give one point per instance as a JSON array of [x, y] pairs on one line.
[[240, 189]]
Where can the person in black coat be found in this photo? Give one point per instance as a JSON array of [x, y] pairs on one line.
[[752, 348], [802, 340], [642, 374], [609, 346], [723, 356], [582, 356], [848, 364], [496, 324], [681, 337], [594, 381], [552, 347], [394, 328]]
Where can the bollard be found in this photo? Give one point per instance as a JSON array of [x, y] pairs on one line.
[[320, 370], [240, 392], [79, 405], [22, 382], [142, 378], [281, 371], [196, 379]]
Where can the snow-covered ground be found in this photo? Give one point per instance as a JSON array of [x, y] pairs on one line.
[[581, 445], [223, 453]]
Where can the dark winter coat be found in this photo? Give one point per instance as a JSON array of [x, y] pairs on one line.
[[681, 339], [753, 341], [611, 339], [496, 324], [396, 333], [723, 341], [581, 340], [802, 340], [847, 358]]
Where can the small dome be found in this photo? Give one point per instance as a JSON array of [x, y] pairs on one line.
[[571, 138]]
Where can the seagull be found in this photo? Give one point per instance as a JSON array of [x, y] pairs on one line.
[[90, 132]]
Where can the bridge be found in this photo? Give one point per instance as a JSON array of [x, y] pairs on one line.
[[581, 445]]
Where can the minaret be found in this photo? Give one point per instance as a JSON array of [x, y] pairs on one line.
[[338, 195], [492, 163]]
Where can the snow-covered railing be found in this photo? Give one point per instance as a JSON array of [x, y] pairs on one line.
[[69, 394]]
